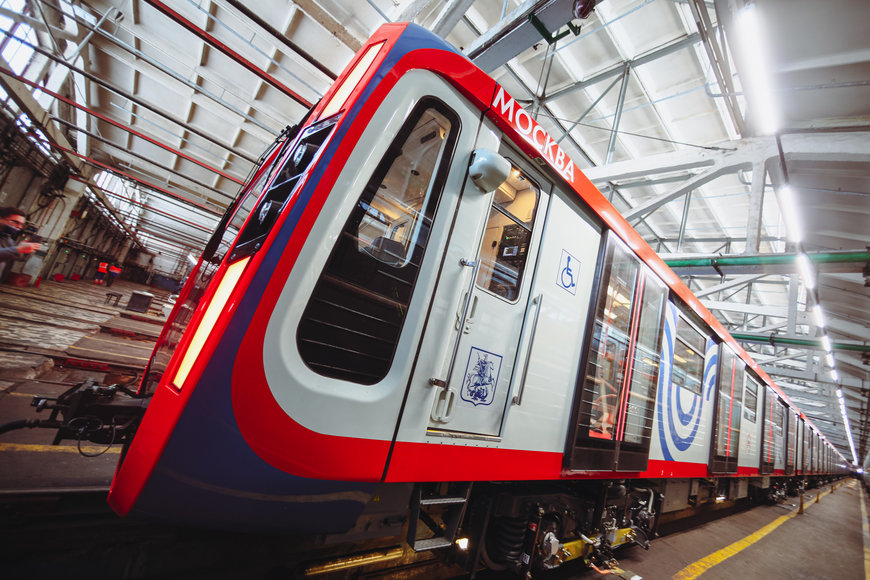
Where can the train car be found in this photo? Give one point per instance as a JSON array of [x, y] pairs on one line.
[[420, 316]]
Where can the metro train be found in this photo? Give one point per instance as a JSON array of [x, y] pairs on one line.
[[420, 317]]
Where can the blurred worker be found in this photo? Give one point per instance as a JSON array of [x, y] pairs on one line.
[[102, 270], [12, 220], [114, 270]]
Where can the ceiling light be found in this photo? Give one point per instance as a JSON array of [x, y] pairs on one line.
[[836, 378], [819, 316], [756, 71], [829, 358], [806, 268], [788, 209], [826, 342]]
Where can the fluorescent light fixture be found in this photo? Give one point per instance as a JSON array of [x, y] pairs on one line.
[[756, 71], [191, 259], [829, 358], [819, 316], [788, 209], [807, 273], [835, 376], [826, 342]]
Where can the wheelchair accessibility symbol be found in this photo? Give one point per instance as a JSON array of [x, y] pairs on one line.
[[569, 268]]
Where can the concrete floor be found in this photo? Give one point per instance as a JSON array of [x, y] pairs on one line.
[[825, 542]]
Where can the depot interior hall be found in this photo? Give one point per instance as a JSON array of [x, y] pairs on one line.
[[733, 135]]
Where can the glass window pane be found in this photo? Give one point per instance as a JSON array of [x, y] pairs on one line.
[[645, 370], [737, 408], [393, 220], [729, 412], [506, 239], [605, 371], [750, 400], [778, 416], [353, 320], [688, 369]]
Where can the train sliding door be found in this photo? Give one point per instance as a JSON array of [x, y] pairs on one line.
[[752, 424], [494, 310], [614, 404], [774, 433], [728, 412], [791, 441]]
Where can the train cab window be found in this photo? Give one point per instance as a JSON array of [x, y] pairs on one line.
[[292, 167], [352, 322], [729, 410], [688, 369], [506, 239], [613, 415]]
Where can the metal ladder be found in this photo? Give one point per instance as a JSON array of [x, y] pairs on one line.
[[428, 498]]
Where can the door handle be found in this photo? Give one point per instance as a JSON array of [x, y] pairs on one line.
[[539, 301], [442, 409], [472, 311]]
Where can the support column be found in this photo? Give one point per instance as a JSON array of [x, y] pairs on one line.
[[756, 206]]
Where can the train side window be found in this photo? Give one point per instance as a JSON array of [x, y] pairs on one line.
[[645, 366], [688, 370], [609, 355], [793, 429], [614, 411], [728, 412], [506, 239], [352, 322], [750, 400]]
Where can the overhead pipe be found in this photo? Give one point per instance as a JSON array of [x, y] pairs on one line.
[[102, 117], [164, 69], [117, 171], [255, 18], [147, 207], [74, 127], [215, 43], [775, 340], [132, 98], [786, 263]]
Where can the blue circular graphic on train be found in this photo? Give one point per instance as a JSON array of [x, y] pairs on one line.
[[679, 408]]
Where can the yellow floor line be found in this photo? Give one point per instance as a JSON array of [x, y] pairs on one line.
[[866, 529], [56, 448], [695, 569]]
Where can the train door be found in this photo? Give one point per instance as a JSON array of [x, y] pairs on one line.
[[751, 427], [728, 402], [494, 308], [791, 441], [772, 457], [800, 461], [615, 399]]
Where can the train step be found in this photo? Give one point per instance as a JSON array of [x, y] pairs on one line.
[[439, 507]]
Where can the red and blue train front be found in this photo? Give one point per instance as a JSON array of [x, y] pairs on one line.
[[189, 461]]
